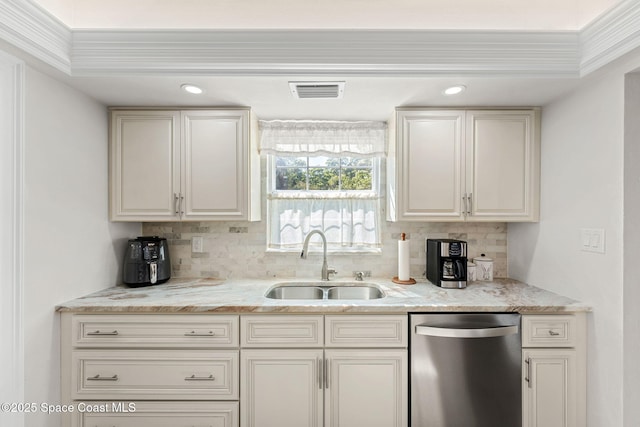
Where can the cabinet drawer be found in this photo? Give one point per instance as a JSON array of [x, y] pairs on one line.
[[154, 375], [281, 331], [549, 331], [143, 331], [366, 331], [157, 414]]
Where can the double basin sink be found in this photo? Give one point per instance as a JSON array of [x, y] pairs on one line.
[[325, 291]]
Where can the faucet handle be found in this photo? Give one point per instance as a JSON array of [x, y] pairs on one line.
[[359, 276], [330, 271]]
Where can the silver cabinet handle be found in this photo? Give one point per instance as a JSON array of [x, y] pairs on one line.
[[320, 372], [99, 378], [194, 378], [100, 333], [326, 373], [553, 333], [527, 378], [196, 334], [181, 208], [470, 206], [466, 204], [175, 202], [434, 331]]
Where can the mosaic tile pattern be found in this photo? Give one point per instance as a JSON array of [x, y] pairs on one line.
[[238, 250]]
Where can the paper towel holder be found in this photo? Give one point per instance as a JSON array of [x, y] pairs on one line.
[[403, 251], [403, 282]]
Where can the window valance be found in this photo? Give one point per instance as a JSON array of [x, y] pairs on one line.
[[323, 138]]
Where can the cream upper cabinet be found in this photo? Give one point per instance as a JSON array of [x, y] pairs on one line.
[[464, 165], [503, 165], [430, 165], [145, 158], [183, 165]]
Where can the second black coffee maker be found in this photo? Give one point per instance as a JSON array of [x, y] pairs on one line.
[[447, 263]]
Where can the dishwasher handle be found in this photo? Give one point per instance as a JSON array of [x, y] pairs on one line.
[[435, 331]]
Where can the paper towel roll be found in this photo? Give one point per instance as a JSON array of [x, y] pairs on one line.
[[403, 260]]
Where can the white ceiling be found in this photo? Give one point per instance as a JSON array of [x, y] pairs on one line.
[[345, 14], [365, 98]]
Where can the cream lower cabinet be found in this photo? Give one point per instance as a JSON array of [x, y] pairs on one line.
[[282, 388], [352, 373], [554, 372], [183, 165], [365, 388], [122, 370], [464, 165]]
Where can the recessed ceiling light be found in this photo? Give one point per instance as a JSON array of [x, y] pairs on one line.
[[454, 90], [187, 87]]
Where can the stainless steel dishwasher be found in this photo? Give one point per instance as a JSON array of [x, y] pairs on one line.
[[465, 370]]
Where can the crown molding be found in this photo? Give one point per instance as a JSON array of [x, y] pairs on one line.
[[37, 32], [610, 36], [325, 52]]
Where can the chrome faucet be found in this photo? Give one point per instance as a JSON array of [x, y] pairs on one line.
[[326, 271]]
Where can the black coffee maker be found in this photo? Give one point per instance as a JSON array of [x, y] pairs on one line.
[[146, 261], [447, 263]]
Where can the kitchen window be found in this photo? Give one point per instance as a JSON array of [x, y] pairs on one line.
[[323, 176]]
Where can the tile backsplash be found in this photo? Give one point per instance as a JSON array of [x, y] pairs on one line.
[[238, 250]]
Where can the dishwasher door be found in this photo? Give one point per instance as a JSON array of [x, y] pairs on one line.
[[465, 370]]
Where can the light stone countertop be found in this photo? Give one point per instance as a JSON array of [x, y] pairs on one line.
[[247, 296]]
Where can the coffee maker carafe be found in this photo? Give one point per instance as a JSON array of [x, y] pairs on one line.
[[447, 263]]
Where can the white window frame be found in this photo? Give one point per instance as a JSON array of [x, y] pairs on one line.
[[374, 193]]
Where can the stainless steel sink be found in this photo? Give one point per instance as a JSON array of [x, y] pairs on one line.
[[325, 290], [354, 292], [295, 292]]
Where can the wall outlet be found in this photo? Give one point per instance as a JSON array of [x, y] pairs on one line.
[[592, 240], [197, 245]]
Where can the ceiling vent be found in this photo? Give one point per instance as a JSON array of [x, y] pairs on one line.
[[317, 90]]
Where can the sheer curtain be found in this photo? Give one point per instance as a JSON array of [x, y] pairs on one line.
[[349, 219], [323, 138]]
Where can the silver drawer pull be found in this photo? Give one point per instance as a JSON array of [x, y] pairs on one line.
[[553, 333], [194, 378], [196, 334], [100, 333], [99, 378]]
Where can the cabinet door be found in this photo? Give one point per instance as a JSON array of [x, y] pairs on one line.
[[144, 164], [215, 163], [503, 162], [281, 388], [430, 165], [549, 388], [366, 388]]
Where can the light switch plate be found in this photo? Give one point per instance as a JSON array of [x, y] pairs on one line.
[[592, 240]]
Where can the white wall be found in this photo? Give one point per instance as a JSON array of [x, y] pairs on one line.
[[582, 187], [11, 352], [631, 250], [71, 248]]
